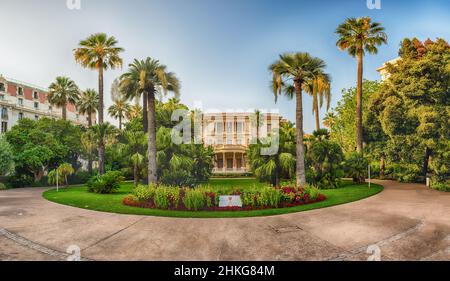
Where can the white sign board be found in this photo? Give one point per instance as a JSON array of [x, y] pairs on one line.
[[230, 201]]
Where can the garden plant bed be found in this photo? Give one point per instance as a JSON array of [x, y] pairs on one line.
[[78, 196]]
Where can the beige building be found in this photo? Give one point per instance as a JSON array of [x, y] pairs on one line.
[[20, 100], [230, 134], [383, 70]]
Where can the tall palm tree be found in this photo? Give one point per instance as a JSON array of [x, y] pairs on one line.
[[358, 36], [88, 104], [290, 73], [320, 90], [62, 92], [119, 110], [99, 52], [147, 78]]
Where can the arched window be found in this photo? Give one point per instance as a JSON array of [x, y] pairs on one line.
[[2, 87]]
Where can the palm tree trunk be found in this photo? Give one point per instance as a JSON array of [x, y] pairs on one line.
[[145, 112], [151, 138], [382, 167], [300, 149], [135, 174], [316, 112], [426, 161], [359, 137], [120, 122], [90, 149], [101, 148], [64, 112]]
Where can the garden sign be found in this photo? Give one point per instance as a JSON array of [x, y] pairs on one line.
[[230, 201]]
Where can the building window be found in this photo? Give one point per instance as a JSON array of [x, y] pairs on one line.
[[50, 108], [240, 127], [4, 127], [269, 128], [219, 128], [20, 116], [2, 87], [36, 117], [20, 101], [229, 127], [4, 113], [2, 97], [36, 105], [20, 91], [35, 95], [77, 116]]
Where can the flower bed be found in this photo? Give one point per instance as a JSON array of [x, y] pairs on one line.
[[207, 199]]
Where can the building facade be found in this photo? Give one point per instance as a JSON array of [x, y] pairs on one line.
[[20, 100], [230, 134]]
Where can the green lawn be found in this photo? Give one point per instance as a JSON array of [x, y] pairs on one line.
[[78, 196]]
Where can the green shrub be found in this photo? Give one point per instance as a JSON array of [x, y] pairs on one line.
[[144, 192], [17, 181], [166, 197], [325, 159], [313, 192], [441, 186], [249, 199], [80, 177], [356, 167], [105, 184], [194, 199], [269, 197], [2, 186], [406, 172]]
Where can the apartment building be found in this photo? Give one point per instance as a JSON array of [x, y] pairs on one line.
[[20, 100], [230, 134]]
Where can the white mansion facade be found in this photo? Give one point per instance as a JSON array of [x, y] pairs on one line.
[[20, 100], [230, 134]]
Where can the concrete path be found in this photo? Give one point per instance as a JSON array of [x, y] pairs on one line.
[[405, 222]]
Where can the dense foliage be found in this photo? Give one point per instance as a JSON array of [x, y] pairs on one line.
[[6, 157]]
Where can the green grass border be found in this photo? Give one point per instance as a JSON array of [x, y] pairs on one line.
[[96, 202]]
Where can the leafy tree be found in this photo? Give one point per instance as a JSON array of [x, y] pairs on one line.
[[360, 36], [290, 75], [43, 144], [99, 52], [149, 77], [413, 104], [356, 166], [62, 92], [6, 157], [342, 124], [272, 168]]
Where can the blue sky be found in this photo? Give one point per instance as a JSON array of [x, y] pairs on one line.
[[220, 49]]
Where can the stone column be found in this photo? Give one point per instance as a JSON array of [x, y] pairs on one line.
[[234, 161], [224, 160]]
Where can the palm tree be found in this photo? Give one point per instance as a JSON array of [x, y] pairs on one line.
[[62, 92], [148, 78], [101, 135], [88, 104], [119, 110], [358, 36], [329, 120], [320, 90], [99, 52], [136, 142], [290, 73], [134, 112]]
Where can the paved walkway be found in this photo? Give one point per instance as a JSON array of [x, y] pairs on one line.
[[405, 221]]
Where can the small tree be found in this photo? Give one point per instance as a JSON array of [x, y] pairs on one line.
[[64, 170]]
